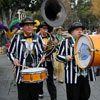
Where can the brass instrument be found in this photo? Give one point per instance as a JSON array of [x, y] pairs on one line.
[[50, 46], [53, 12]]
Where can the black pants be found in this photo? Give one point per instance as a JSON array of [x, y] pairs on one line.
[[50, 83], [28, 91], [79, 91]]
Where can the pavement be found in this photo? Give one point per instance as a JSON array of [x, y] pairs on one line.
[[9, 92]]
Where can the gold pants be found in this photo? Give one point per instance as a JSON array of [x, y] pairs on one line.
[[58, 68]]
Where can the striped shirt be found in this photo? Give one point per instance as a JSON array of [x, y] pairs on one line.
[[71, 68], [18, 50]]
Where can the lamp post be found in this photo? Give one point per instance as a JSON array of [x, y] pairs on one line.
[[72, 8], [20, 14]]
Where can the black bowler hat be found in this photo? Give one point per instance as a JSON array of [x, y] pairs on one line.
[[76, 25], [27, 20], [43, 23]]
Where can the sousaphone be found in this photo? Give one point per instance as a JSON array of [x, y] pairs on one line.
[[53, 12]]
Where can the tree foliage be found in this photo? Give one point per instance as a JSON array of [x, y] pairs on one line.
[[8, 8], [85, 14], [95, 7], [67, 23], [35, 15]]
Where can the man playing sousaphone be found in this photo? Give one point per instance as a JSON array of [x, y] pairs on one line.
[[25, 51], [45, 37], [76, 79]]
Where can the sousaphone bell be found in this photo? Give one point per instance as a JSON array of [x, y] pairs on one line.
[[53, 12]]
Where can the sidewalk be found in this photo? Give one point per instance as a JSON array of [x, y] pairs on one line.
[[8, 91]]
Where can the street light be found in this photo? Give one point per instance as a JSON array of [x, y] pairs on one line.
[[20, 13], [72, 7]]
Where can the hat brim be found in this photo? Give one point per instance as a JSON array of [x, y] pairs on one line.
[[49, 27], [40, 26], [73, 28], [22, 24], [59, 28]]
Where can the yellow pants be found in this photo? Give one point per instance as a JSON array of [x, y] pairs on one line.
[[58, 68]]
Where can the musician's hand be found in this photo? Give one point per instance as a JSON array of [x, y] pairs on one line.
[[42, 59], [16, 62], [44, 45], [55, 41], [69, 58]]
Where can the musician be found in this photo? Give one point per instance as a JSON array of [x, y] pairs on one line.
[[76, 79], [44, 27], [25, 50], [58, 66]]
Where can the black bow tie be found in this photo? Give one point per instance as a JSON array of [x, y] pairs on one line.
[[25, 37], [45, 37]]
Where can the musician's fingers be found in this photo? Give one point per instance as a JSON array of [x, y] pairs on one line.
[[42, 60], [68, 58], [44, 45], [16, 62], [55, 41]]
